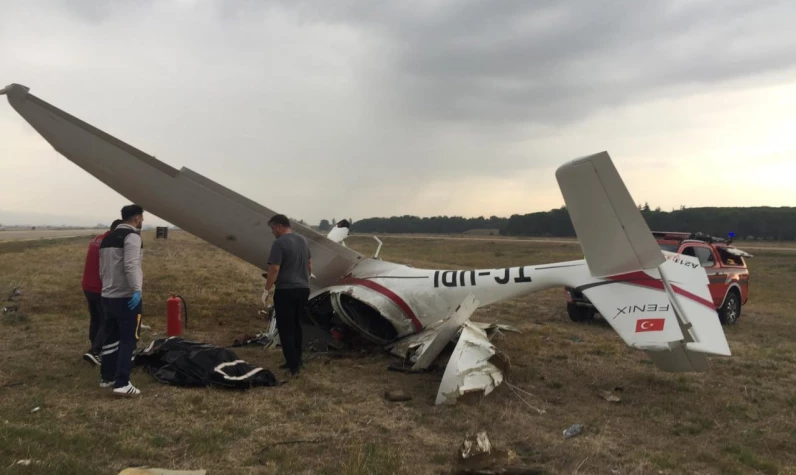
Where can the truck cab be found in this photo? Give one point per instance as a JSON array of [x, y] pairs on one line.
[[728, 276]]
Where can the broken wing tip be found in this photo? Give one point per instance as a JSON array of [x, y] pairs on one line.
[[14, 87]]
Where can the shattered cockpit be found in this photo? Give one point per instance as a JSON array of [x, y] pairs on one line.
[[475, 366]]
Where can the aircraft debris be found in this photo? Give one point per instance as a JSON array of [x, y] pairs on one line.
[[15, 292], [494, 329], [517, 392], [13, 297], [575, 429], [159, 471], [35, 410], [477, 455], [610, 396], [474, 367], [314, 339], [397, 396], [475, 445], [429, 343]]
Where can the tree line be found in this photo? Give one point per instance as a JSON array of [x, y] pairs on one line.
[[762, 222]]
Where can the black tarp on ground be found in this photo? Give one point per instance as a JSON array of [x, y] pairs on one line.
[[181, 362]]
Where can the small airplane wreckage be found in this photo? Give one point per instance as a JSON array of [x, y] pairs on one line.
[[414, 313]]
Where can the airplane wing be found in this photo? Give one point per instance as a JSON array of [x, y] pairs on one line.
[[182, 197]]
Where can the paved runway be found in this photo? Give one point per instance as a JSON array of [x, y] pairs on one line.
[[36, 234]]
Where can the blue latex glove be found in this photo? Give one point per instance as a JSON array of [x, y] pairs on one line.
[[135, 300]]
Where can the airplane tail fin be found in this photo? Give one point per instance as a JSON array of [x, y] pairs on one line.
[[659, 303]]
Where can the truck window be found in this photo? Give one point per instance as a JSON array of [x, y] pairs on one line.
[[728, 259], [668, 247], [705, 256]]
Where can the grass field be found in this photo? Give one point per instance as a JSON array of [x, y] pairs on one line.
[[739, 418]]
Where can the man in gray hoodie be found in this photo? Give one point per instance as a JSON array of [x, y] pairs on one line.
[[122, 280]]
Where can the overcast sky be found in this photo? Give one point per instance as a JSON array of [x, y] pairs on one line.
[[324, 109]]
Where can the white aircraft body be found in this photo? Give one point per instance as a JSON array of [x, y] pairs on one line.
[[657, 301]]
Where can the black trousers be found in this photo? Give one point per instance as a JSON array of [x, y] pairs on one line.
[[96, 326], [122, 327], [290, 305]]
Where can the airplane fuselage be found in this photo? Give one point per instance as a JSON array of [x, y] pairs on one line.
[[409, 299]]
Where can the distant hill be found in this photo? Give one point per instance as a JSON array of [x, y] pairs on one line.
[[432, 225], [761, 222], [14, 218]]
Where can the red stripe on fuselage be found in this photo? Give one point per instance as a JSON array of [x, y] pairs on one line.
[[644, 280], [401, 303]]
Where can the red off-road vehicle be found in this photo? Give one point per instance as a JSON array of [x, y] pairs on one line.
[[727, 273]]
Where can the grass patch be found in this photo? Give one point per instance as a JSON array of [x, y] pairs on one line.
[[728, 420], [752, 460], [14, 318]]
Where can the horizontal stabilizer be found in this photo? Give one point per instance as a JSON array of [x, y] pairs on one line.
[[614, 236], [666, 312]]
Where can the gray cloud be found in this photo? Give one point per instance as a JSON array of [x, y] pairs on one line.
[[375, 104], [552, 62]]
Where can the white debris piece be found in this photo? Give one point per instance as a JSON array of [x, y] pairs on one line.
[[493, 329], [475, 445], [434, 347], [469, 368], [412, 346]]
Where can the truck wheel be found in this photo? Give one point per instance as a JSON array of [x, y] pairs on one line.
[[580, 314], [730, 312]]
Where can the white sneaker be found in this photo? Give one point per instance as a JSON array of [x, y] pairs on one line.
[[106, 384], [92, 358], [126, 391]]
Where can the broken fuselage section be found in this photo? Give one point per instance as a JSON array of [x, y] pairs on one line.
[[385, 302], [415, 313]]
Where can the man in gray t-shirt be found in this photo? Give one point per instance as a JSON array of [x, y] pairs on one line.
[[289, 270]]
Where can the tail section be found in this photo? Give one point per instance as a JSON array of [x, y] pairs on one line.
[[659, 303]]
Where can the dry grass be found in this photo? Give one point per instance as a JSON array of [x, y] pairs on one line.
[[738, 418]]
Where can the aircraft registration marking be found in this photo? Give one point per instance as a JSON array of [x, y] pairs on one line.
[[464, 278]]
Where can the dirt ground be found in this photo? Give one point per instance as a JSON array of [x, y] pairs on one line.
[[738, 418]]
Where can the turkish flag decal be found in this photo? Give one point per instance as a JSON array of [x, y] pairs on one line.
[[650, 324]]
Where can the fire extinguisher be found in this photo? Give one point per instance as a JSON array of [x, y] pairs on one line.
[[174, 315]]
